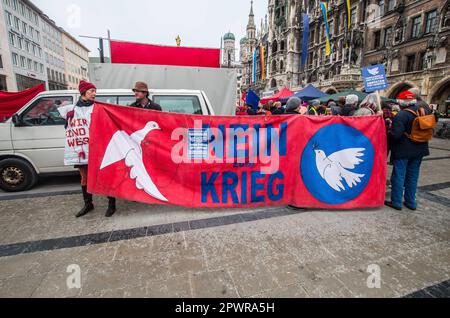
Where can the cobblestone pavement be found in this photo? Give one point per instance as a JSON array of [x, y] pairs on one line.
[[158, 251]]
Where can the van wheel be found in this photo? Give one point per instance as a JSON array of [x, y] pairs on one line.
[[16, 175]]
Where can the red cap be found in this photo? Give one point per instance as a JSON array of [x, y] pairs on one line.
[[85, 86]]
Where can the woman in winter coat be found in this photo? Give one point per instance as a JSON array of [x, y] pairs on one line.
[[78, 120]]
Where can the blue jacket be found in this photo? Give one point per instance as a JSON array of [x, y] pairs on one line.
[[401, 146]]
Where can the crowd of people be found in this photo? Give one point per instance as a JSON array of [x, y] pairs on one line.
[[402, 124], [349, 105]]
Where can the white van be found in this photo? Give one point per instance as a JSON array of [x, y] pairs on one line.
[[32, 141]]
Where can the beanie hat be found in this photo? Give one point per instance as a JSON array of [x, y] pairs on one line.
[[315, 103], [293, 103], [85, 86], [352, 99]]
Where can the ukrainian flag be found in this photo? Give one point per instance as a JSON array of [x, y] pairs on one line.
[[324, 7]]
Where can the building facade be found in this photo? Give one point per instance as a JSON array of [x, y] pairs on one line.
[[229, 59], [34, 50], [411, 37], [23, 26], [250, 45], [76, 57], [229, 50], [7, 82], [54, 54]]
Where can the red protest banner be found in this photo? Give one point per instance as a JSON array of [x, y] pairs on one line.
[[208, 161], [11, 102], [149, 54]]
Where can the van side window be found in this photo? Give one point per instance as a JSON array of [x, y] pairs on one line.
[[126, 100], [44, 111], [107, 99], [179, 104]]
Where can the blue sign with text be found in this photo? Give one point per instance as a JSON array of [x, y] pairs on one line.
[[375, 78]]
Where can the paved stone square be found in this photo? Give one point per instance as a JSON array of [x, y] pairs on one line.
[[164, 251]]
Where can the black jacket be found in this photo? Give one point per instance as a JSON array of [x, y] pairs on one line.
[[150, 105], [401, 146], [348, 110], [277, 111]]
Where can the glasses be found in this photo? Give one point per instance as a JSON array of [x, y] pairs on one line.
[[136, 91]]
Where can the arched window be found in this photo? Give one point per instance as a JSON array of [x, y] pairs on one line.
[[274, 47], [273, 83], [282, 46], [274, 67], [281, 67]]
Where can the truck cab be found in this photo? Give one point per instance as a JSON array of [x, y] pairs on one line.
[[32, 141]]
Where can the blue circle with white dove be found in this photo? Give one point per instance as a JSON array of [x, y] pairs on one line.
[[337, 164]]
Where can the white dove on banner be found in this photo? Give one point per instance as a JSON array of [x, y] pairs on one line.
[[336, 167], [123, 146], [374, 71]]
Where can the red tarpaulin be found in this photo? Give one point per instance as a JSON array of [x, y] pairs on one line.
[[148, 54], [284, 93], [247, 161], [11, 102]]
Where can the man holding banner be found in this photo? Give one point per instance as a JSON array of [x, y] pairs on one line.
[[142, 93]]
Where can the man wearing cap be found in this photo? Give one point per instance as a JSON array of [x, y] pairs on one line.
[[142, 97], [351, 105], [314, 108], [76, 152], [293, 106]]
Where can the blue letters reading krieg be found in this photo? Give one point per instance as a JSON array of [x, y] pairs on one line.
[[252, 146]]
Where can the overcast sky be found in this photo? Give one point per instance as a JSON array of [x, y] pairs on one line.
[[200, 23]]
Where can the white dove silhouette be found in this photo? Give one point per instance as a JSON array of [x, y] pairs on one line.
[[123, 146], [334, 168], [374, 71]]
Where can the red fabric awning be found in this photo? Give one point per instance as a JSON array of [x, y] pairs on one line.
[[284, 93], [148, 54], [11, 102]]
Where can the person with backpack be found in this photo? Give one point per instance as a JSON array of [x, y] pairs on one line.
[[411, 131]]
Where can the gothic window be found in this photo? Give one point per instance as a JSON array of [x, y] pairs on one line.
[[446, 17], [274, 46], [431, 21], [422, 61], [281, 67], [415, 26], [410, 62], [353, 15], [376, 39], [273, 83], [387, 37], [391, 5], [282, 46], [274, 67], [382, 7]]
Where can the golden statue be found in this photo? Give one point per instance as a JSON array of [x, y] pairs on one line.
[[178, 40]]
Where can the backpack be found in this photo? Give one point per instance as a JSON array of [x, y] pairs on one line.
[[422, 127]]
